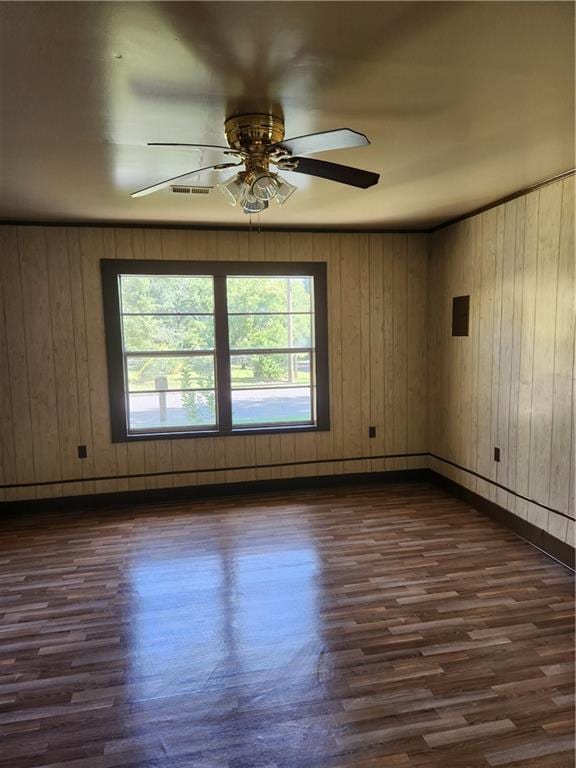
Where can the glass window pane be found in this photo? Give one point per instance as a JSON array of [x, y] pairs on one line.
[[172, 409], [270, 294], [149, 334], [270, 370], [156, 373], [166, 293], [269, 331], [271, 406]]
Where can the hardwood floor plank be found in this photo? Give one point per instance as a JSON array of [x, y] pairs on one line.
[[530, 750]]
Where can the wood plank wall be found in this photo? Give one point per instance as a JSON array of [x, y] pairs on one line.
[[53, 381], [510, 383]]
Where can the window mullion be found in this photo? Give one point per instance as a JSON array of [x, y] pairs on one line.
[[224, 395]]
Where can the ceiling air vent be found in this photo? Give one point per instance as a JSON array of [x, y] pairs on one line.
[[182, 189]]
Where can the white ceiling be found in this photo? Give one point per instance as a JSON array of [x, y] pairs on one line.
[[464, 102]]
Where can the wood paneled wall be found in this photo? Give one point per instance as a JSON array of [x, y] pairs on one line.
[[53, 381], [510, 383]]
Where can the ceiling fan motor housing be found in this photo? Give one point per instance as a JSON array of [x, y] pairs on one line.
[[254, 133]]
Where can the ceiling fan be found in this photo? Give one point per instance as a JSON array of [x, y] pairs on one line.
[[256, 141]]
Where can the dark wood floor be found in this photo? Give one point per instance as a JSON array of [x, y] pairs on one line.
[[375, 627]]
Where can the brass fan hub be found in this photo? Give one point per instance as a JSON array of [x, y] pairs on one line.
[[253, 133]]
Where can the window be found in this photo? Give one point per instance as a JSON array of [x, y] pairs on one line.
[[215, 348]]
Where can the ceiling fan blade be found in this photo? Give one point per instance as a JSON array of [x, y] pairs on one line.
[[167, 182], [344, 174], [193, 146], [343, 138]]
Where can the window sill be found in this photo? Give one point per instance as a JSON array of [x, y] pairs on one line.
[[128, 438]]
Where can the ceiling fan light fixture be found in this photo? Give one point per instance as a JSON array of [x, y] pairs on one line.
[[233, 189], [250, 204], [255, 206], [265, 186], [285, 189]]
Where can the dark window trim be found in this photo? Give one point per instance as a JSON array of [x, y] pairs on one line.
[[219, 270]]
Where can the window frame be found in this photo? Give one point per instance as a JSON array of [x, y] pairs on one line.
[[112, 269]]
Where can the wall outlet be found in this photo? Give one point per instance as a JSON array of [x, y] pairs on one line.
[[371, 431], [496, 454], [82, 452]]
